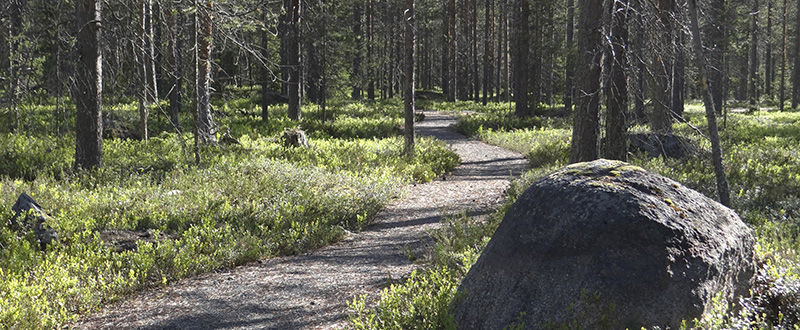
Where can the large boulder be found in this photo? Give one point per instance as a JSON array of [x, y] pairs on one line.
[[607, 245]]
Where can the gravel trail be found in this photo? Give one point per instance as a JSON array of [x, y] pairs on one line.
[[311, 291]]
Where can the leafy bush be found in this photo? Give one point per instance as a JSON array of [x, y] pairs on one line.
[[762, 164], [255, 200]]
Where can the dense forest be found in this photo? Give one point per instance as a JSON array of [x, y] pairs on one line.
[[114, 116]]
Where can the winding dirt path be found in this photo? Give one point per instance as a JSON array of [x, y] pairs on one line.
[[311, 291]]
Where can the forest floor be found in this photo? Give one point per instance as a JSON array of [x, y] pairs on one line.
[[312, 290]]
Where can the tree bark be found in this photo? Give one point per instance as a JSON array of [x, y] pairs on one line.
[[266, 73], [782, 92], [520, 59], [476, 82], [293, 57], [616, 146], [149, 89], [370, 52], [716, 33], [660, 68], [408, 77], [768, 74], [488, 55], [452, 51], [570, 56], [175, 45], [796, 74], [88, 86], [14, 39], [204, 124], [753, 70], [708, 98], [358, 35], [678, 74], [586, 127]]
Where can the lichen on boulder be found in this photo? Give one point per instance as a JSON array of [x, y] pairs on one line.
[[606, 244]]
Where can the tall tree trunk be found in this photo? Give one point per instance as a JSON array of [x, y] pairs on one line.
[[204, 123], [476, 82], [445, 68], [569, 90], [293, 57], [660, 68], [520, 59], [452, 50], [14, 58], [175, 45], [358, 35], [488, 32], [408, 77], [796, 74], [768, 73], [717, 37], [678, 71], [370, 52], [586, 127], [266, 73], [88, 86], [782, 93], [638, 50], [616, 146], [753, 70], [149, 89], [708, 101]]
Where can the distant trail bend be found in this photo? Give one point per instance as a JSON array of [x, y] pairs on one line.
[[311, 291]]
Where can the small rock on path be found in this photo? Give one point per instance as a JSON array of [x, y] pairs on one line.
[[311, 291]]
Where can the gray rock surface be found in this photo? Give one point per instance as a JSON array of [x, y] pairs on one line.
[[661, 145], [607, 245], [28, 216]]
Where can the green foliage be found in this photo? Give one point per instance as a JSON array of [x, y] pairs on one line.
[[248, 201], [762, 163], [422, 302]]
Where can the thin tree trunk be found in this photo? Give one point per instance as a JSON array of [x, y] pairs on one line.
[[716, 147], [520, 59], [175, 45], [293, 58], [370, 53], [88, 86], [445, 69], [452, 51], [753, 74], [204, 123], [357, 33], [660, 69], [678, 72], [768, 54], [148, 76], [782, 93], [586, 127], [570, 54], [796, 74], [408, 77], [266, 73], [488, 32], [616, 146], [716, 33], [14, 59], [476, 82]]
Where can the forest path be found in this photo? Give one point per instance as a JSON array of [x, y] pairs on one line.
[[311, 291]]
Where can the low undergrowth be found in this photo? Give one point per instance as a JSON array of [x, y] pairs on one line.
[[243, 202], [761, 158]]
